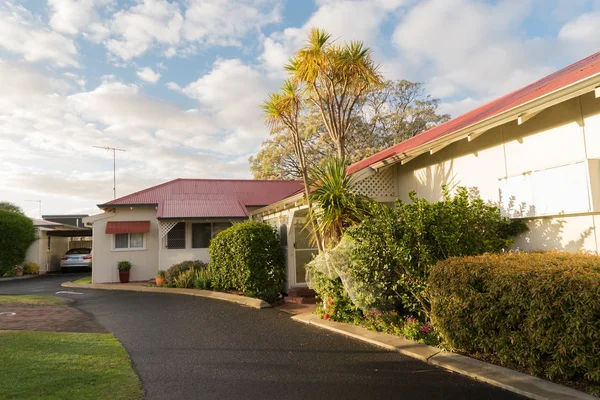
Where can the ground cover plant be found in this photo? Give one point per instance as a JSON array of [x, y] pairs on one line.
[[31, 300]]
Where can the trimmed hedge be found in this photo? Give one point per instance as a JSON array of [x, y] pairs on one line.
[[539, 311], [248, 258], [17, 233]]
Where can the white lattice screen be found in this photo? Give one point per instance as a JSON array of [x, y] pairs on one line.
[[377, 185], [165, 227]]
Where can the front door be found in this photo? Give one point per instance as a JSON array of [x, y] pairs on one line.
[[303, 252]]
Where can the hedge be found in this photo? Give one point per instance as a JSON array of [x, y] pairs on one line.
[[538, 311], [248, 258], [17, 233]]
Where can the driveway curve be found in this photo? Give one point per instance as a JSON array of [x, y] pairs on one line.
[[187, 347]]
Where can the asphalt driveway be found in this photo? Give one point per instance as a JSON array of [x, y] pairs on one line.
[[187, 347]]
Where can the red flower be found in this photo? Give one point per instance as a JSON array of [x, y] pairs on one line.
[[331, 303], [326, 316]]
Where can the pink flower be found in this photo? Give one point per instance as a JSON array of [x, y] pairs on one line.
[[326, 316]]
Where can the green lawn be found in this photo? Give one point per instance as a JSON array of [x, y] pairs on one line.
[[87, 279], [31, 300], [56, 365]]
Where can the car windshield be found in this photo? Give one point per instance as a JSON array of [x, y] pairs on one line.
[[79, 251]]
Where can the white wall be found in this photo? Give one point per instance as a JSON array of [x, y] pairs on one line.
[[105, 257], [47, 260], [557, 137]]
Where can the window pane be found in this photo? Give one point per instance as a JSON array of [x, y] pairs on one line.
[[176, 237], [220, 227], [136, 240], [121, 240], [200, 236], [283, 235]]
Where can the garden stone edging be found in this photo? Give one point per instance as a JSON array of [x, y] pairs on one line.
[[18, 278], [517, 382], [232, 298]]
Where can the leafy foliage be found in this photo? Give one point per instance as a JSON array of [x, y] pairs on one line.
[[161, 273], [30, 268], [384, 117], [538, 311], [247, 257], [175, 270], [186, 279], [337, 206], [8, 206], [397, 246], [17, 233], [203, 279], [124, 266]]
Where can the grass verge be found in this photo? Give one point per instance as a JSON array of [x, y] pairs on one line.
[[87, 279], [56, 365], [31, 300]]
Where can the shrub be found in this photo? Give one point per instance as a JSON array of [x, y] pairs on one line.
[[177, 269], [248, 258], [185, 280], [161, 273], [124, 265], [17, 233], [539, 311], [395, 247], [337, 305], [203, 279], [30, 268]]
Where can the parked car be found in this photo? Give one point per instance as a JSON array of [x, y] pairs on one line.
[[76, 258]]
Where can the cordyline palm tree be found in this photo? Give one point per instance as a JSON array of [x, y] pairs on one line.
[[282, 111], [337, 205], [334, 78]]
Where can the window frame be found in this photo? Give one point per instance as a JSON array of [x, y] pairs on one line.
[[212, 232], [128, 248]]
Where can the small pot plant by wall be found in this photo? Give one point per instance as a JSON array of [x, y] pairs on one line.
[[160, 277], [124, 268], [19, 270]]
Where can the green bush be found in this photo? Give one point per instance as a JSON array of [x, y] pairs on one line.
[[17, 233], [395, 247], [539, 311], [31, 268], [185, 280], [203, 279], [177, 269], [248, 258], [124, 266]]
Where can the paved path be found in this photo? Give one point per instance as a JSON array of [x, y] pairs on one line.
[[194, 348]]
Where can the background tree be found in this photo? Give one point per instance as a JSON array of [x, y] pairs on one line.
[[386, 116], [16, 235], [8, 206], [335, 79]]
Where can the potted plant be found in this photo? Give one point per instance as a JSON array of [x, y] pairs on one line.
[[124, 267], [160, 277], [19, 270]]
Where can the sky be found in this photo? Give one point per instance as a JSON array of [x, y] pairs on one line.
[[179, 84]]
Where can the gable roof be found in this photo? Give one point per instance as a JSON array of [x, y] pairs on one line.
[[209, 198], [574, 73]]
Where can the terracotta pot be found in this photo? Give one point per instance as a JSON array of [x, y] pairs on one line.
[[124, 276], [20, 272], [160, 280]]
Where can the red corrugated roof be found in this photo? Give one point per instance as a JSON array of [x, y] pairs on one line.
[[208, 206], [114, 227], [209, 197], [581, 70]]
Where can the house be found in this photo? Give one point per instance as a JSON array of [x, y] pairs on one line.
[[534, 152], [52, 241], [173, 222]]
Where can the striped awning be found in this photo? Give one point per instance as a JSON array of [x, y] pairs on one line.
[[115, 227]]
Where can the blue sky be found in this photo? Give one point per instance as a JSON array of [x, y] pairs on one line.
[[179, 83]]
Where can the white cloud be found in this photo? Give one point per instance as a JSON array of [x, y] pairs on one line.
[[148, 74], [227, 22], [72, 16], [149, 23], [581, 35], [23, 34]]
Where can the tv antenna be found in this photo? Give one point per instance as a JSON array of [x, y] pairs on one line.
[[114, 150]]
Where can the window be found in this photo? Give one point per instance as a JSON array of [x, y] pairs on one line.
[[283, 235], [202, 233], [129, 241], [176, 237]]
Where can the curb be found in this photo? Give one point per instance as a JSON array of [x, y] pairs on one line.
[[232, 298], [18, 278], [517, 382]]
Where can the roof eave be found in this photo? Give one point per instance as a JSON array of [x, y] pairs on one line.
[[284, 204]]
